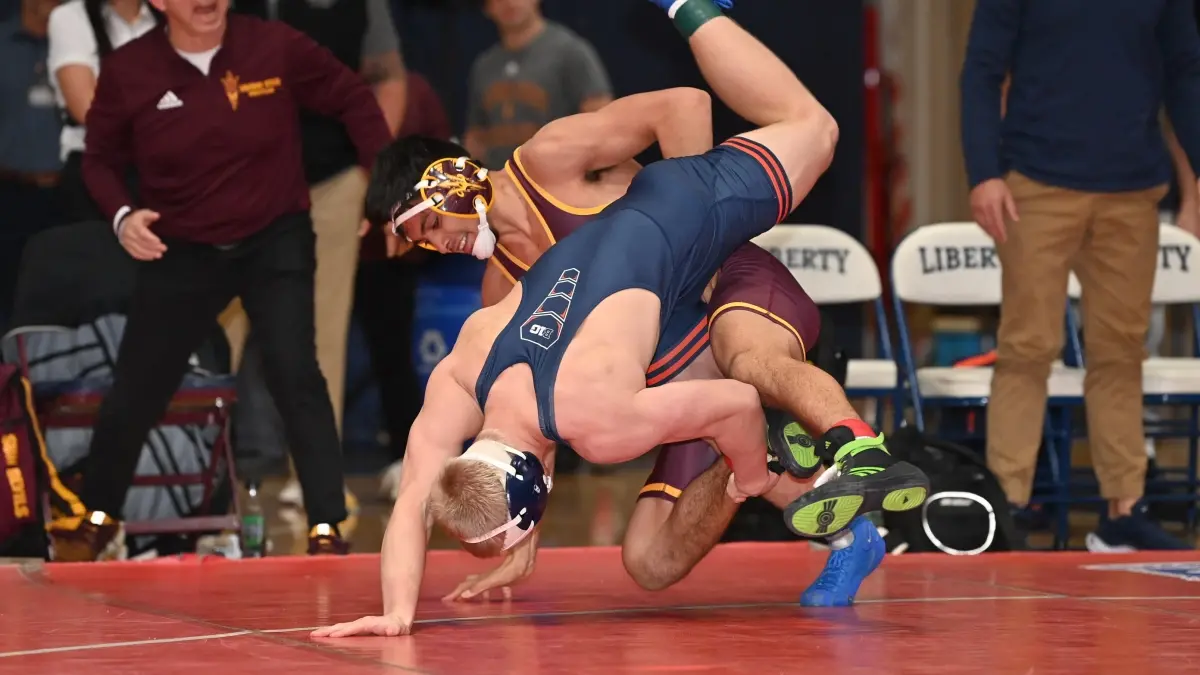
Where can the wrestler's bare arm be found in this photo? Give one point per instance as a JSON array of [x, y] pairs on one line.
[[447, 419], [679, 119]]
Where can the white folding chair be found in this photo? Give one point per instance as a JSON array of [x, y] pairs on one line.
[[834, 268], [1171, 381]]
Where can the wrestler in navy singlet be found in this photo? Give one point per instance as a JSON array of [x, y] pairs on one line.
[[680, 219], [685, 335]]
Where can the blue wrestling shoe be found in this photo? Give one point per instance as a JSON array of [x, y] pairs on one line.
[[846, 568]]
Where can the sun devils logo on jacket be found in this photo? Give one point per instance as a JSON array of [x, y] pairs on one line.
[[230, 82], [545, 325]]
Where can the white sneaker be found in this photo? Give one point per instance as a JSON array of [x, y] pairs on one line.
[[1097, 545]]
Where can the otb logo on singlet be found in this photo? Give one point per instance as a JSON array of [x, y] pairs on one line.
[[545, 325]]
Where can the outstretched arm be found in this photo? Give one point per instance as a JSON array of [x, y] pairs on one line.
[[448, 418], [679, 119]]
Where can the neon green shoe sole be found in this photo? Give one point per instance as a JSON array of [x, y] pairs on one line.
[[827, 510], [823, 518], [904, 499], [790, 445]]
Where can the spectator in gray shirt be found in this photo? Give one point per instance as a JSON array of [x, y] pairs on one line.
[[539, 72]]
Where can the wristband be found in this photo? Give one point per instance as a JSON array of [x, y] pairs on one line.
[[689, 15], [120, 218]]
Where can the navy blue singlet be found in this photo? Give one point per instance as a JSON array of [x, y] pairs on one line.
[[674, 227]]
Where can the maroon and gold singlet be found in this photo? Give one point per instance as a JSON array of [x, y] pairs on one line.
[[556, 218]]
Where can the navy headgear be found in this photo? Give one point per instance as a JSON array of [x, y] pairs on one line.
[[526, 486]]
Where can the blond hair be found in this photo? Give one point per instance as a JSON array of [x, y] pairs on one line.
[[470, 499]]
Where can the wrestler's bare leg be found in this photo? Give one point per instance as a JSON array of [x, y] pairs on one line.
[[665, 540], [801, 135], [757, 85], [753, 349]]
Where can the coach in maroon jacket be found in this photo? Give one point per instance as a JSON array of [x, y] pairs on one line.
[[206, 110]]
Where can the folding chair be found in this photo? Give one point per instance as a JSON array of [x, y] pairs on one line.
[[955, 265], [77, 277], [1169, 381], [834, 268]]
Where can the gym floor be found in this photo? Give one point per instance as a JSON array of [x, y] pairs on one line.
[[580, 614]]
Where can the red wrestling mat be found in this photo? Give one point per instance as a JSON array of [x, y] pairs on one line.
[[1020, 614]]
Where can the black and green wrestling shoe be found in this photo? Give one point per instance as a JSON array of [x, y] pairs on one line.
[[866, 478], [789, 447]]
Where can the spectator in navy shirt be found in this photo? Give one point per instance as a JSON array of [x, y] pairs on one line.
[[1070, 177]]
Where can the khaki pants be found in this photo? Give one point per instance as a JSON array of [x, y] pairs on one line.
[[1111, 241], [337, 204]]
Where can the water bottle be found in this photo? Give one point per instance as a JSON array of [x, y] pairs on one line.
[[253, 528]]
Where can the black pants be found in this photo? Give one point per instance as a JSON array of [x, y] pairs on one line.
[[384, 300], [175, 300], [259, 439]]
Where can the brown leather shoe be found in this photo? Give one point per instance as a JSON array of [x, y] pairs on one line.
[[93, 537], [324, 539]]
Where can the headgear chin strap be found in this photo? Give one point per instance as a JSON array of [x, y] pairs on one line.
[[527, 488], [455, 187]]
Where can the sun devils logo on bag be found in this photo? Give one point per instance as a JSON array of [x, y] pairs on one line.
[[14, 475], [545, 325], [28, 474]]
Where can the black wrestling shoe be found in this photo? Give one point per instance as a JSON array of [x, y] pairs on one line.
[[863, 478], [789, 447]]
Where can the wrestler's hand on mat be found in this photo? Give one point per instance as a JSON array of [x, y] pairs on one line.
[[740, 493], [135, 235], [517, 566], [383, 626]]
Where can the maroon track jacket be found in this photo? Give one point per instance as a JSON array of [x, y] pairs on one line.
[[218, 155]]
